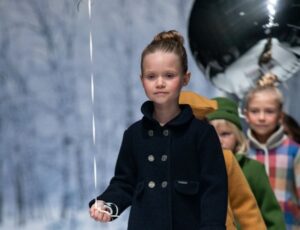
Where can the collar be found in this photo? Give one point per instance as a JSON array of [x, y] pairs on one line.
[[273, 141], [241, 158], [185, 115]]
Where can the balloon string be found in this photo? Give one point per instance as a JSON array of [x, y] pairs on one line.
[[92, 95], [107, 206]]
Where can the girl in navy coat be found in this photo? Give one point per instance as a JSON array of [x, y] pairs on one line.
[[170, 167]]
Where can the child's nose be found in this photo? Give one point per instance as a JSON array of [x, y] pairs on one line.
[[261, 115], [160, 82]]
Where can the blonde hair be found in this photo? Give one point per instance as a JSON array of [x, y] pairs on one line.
[[266, 83], [241, 146], [167, 41]]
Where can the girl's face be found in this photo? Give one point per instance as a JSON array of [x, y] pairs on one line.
[[226, 135], [162, 77], [263, 114]]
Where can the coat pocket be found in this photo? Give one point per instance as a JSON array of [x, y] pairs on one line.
[[187, 187]]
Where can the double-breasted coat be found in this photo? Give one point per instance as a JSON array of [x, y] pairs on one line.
[[172, 176]]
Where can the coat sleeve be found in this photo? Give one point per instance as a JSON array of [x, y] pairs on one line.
[[213, 181], [121, 187], [241, 198]]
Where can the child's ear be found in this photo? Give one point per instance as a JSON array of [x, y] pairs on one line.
[[141, 78], [186, 78], [245, 113], [281, 117]]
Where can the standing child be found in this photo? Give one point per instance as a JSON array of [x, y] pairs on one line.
[[170, 167], [228, 126], [269, 145]]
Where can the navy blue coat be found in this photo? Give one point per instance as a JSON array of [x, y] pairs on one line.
[[173, 177]]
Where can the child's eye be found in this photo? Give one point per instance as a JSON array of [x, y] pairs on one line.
[[254, 111], [170, 75], [149, 76], [271, 111], [225, 134]]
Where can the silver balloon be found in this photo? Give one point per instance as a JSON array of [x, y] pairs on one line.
[[236, 42]]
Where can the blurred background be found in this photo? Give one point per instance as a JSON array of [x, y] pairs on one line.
[[46, 146]]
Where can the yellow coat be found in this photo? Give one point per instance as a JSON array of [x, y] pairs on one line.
[[242, 206]]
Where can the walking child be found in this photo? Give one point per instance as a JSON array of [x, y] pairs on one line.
[[227, 123], [170, 168]]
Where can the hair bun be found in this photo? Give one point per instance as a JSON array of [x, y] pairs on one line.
[[169, 35], [268, 79]]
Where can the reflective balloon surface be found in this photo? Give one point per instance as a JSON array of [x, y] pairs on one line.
[[235, 42]]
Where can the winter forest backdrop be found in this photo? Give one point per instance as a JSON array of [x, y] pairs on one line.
[[46, 148], [46, 167]]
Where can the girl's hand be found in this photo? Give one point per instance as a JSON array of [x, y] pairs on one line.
[[99, 213]]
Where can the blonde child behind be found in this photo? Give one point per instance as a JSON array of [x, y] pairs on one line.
[[270, 146]]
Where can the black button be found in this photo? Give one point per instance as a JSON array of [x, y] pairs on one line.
[[166, 132], [150, 133]]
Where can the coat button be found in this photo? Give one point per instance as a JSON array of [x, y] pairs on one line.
[[151, 158], [166, 132], [164, 184], [150, 133], [164, 157], [151, 184]]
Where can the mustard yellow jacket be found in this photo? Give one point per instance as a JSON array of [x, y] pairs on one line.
[[242, 206]]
